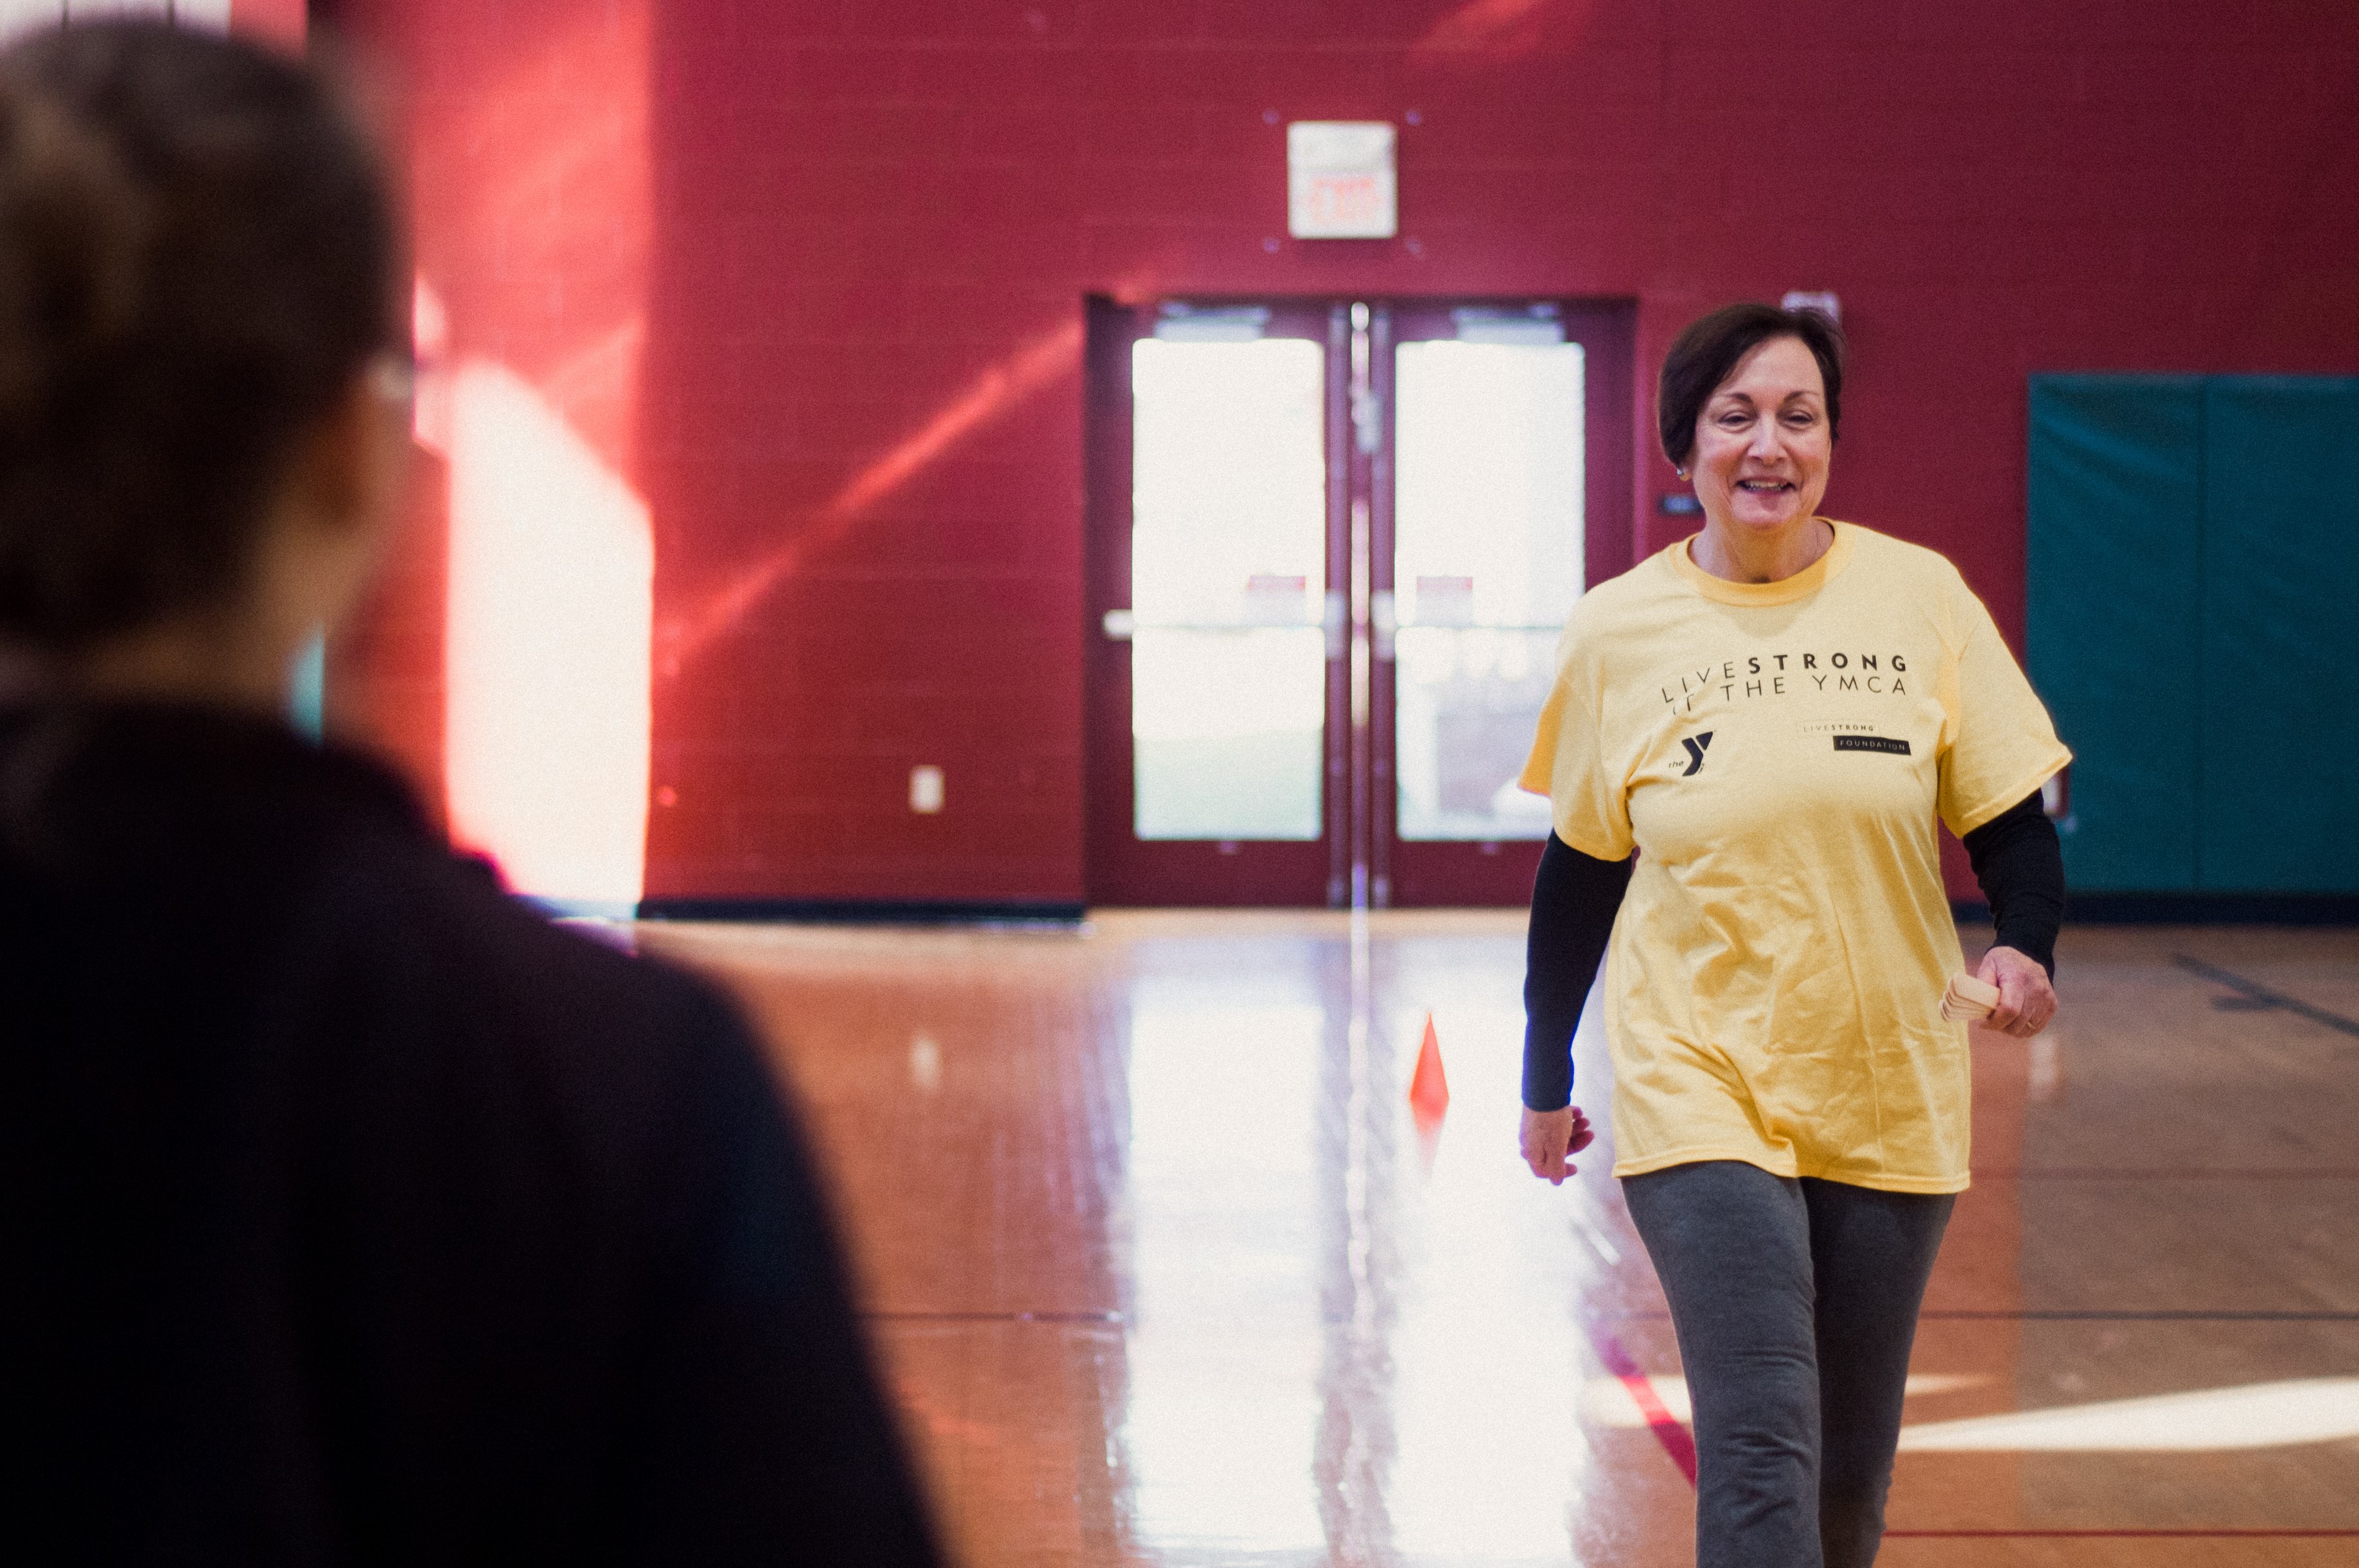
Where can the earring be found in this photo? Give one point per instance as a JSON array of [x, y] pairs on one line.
[[1682, 474]]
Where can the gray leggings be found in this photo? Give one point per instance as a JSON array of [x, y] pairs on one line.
[[1795, 1303]]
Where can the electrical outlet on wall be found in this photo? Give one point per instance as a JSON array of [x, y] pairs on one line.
[[925, 789]]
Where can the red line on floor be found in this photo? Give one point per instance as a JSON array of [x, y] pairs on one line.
[[1669, 1430]]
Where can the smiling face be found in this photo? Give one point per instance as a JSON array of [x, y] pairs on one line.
[[1763, 443]]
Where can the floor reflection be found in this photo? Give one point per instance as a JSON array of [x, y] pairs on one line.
[[1177, 1281], [1349, 1338], [1225, 1049], [1359, 1136]]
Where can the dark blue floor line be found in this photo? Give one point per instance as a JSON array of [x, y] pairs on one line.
[[2260, 993]]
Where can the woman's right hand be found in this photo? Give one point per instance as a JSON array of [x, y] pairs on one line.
[[1549, 1136]]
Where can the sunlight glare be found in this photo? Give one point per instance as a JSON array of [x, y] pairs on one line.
[[2253, 1415], [551, 597]]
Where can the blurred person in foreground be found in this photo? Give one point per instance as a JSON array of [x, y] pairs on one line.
[[352, 1214], [1751, 737]]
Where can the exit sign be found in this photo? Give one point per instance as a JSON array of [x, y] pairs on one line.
[[1340, 183]]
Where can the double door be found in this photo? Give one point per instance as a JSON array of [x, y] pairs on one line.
[[1332, 544]]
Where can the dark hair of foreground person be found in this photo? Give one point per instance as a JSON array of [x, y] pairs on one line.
[[353, 1215], [198, 258]]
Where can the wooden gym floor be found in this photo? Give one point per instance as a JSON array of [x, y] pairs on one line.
[[1163, 1271]]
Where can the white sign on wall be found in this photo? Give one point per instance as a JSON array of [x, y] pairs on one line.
[[1340, 183]]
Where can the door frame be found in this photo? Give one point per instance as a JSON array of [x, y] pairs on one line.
[[1359, 802], [1196, 872], [1449, 873]]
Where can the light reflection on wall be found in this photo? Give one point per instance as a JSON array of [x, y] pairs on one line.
[[532, 192], [553, 567], [1485, 30], [999, 388]]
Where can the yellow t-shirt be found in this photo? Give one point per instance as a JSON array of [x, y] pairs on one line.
[[1777, 751]]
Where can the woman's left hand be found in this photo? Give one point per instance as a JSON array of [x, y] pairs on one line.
[[2026, 1001]]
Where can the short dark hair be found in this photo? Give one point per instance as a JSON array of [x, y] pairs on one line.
[[198, 255], [1707, 354]]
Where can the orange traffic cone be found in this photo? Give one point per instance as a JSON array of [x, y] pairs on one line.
[[1429, 1089]]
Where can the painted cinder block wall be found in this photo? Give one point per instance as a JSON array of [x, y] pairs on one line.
[[858, 233]]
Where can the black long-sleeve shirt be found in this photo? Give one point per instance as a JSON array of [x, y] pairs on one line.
[[354, 1215], [1575, 897]]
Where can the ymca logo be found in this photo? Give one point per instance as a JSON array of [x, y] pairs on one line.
[[1695, 745]]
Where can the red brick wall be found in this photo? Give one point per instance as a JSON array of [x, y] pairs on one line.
[[875, 221]]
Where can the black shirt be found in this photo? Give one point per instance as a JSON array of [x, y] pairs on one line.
[[354, 1214]]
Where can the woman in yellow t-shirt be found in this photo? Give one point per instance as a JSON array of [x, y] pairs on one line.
[[1749, 740]]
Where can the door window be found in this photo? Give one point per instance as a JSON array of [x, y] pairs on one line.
[[1333, 547], [1228, 575], [1487, 560]]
